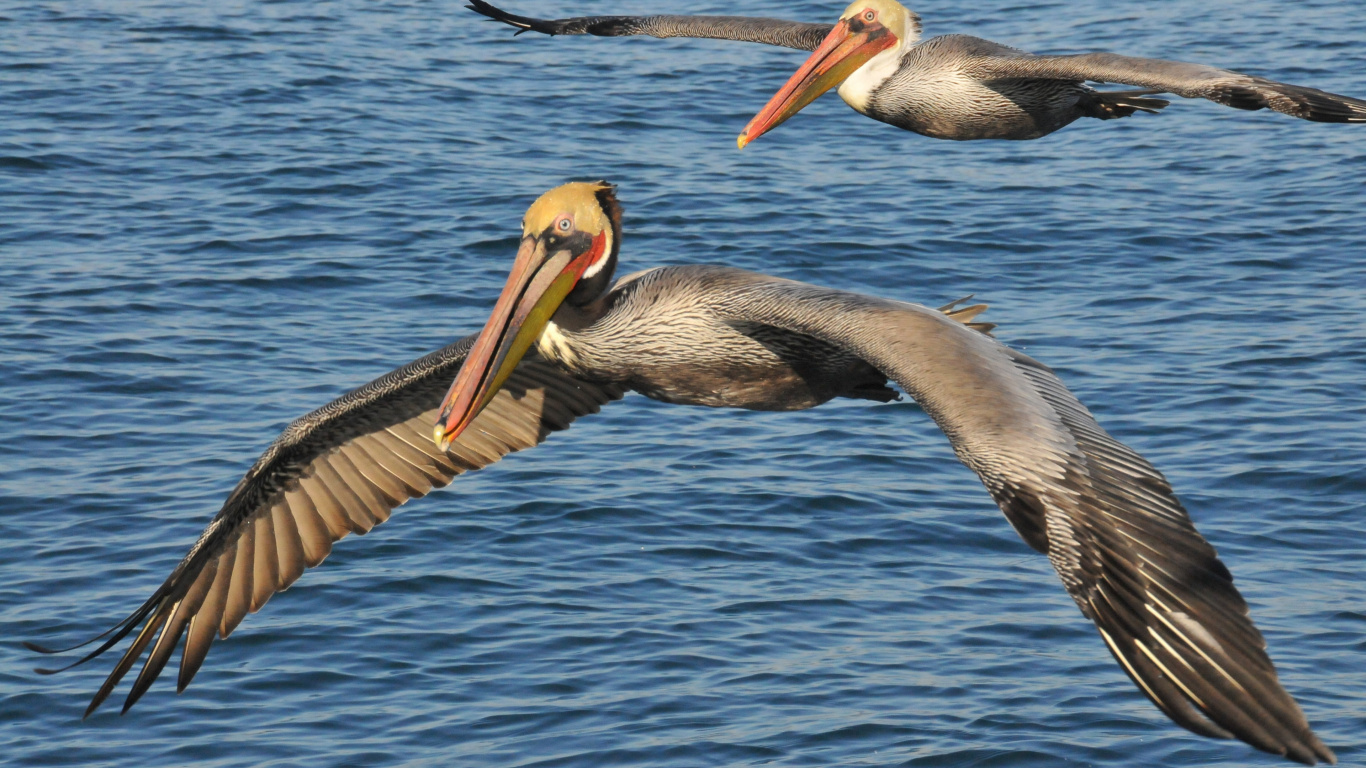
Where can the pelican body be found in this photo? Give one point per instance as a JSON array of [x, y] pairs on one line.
[[954, 86], [564, 339]]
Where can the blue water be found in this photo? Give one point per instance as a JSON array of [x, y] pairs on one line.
[[215, 217]]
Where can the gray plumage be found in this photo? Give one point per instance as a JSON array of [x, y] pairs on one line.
[[946, 88], [1109, 522], [1191, 81], [788, 34], [963, 88]]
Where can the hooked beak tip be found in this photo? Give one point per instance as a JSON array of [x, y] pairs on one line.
[[439, 437], [742, 140]]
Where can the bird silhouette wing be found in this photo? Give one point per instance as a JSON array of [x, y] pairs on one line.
[[341, 469], [788, 34], [1123, 545]]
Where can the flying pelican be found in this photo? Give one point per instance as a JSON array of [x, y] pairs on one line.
[[564, 339], [954, 86]]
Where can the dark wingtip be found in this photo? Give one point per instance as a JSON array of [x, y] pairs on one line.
[[1322, 750], [141, 686], [1310, 752], [521, 23], [484, 9], [36, 648]]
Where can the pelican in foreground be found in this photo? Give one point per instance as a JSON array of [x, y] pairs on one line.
[[954, 86], [565, 339]]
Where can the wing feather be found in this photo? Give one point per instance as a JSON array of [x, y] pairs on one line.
[[238, 599], [481, 448], [1192, 81], [788, 34], [400, 459], [204, 622], [372, 499], [315, 488], [387, 491], [338, 470], [125, 663], [289, 547], [1123, 545], [266, 573], [422, 454], [343, 490], [313, 530], [161, 653]]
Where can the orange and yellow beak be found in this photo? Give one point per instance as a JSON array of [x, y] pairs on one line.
[[539, 283], [842, 52]]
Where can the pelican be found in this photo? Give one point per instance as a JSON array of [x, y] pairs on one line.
[[954, 86], [564, 339]]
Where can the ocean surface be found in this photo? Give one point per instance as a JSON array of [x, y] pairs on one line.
[[215, 217]]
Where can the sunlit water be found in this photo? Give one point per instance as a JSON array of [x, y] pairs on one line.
[[214, 217]]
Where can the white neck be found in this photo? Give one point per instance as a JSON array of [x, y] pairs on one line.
[[858, 87], [554, 345]]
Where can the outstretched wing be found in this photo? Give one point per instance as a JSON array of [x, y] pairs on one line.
[[340, 469], [1193, 81], [788, 34], [1118, 537]]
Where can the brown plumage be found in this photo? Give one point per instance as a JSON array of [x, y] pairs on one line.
[[961, 87], [1120, 541], [339, 470]]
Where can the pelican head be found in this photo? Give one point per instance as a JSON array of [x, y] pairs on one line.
[[870, 34], [569, 246]]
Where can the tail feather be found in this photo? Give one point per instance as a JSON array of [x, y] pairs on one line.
[[1108, 105], [966, 315]]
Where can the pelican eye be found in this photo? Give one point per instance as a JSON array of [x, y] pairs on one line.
[[869, 16], [563, 225]]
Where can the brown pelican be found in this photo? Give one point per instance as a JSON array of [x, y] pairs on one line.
[[954, 86], [563, 340]]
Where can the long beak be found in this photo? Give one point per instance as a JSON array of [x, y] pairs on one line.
[[842, 52], [537, 286]]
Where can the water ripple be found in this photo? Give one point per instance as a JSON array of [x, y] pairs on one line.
[[217, 217]]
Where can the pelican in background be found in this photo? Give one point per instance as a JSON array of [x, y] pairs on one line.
[[954, 86], [564, 339]]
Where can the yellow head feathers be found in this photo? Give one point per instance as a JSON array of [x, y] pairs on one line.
[[900, 21], [583, 203]]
